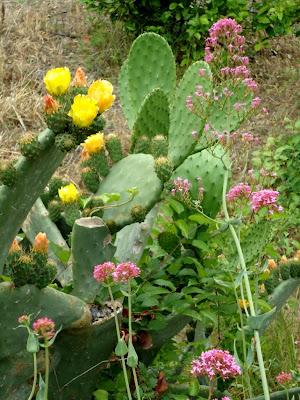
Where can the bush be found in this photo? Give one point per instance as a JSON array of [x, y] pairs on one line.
[[185, 23]]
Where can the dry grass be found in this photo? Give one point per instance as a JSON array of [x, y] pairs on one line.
[[37, 35]]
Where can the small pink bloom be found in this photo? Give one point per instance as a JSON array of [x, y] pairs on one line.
[[241, 190], [256, 102], [44, 327], [238, 106], [24, 319], [189, 103], [250, 83], [194, 134], [214, 363], [265, 110], [181, 185], [103, 272], [265, 198], [206, 127], [284, 377], [202, 72], [125, 271]]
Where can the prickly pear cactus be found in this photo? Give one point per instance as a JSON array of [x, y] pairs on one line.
[[210, 169], [138, 78], [183, 122], [136, 170]]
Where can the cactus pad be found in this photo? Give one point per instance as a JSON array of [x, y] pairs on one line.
[[183, 122], [124, 175]]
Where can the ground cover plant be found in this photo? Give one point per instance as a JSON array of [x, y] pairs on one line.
[[158, 230]]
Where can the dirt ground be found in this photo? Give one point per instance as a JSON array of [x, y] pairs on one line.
[[38, 35]]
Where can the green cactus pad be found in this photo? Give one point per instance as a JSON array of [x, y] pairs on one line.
[[183, 122], [124, 95], [211, 170], [136, 170], [153, 116], [64, 309], [150, 65], [90, 246]]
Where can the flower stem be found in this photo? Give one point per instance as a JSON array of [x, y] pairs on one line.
[[119, 337], [136, 383], [248, 289], [47, 369], [34, 377]]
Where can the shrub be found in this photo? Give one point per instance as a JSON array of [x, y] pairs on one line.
[[185, 23]]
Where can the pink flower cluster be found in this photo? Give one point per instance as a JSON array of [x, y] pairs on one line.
[[214, 363], [24, 319], [120, 273], [181, 186], [265, 198], [225, 32], [241, 71], [241, 190], [44, 327], [223, 398], [284, 377]]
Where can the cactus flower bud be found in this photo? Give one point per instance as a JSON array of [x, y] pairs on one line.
[[41, 243], [24, 319], [79, 78], [57, 81], [15, 247], [272, 264], [50, 104]]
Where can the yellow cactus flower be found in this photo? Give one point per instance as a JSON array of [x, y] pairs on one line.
[[83, 111], [79, 78], [57, 81], [101, 91], [68, 194], [41, 243], [94, 143]]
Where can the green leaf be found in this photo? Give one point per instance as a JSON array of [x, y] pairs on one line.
[[101, 394], [32, 345], [261, 321], [164, 282], [183, 226], [42, 389], [201, 219], [194, 387], [176, 205], [61, 252], [121, 348], [201, 245], [132, 358], [109, 197]]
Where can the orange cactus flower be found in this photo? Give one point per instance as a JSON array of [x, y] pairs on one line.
[[50, 104], [41, 243], [79, 78], [272, 264], [15, 247]]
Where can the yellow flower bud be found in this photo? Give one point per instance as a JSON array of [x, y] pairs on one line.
[[101, 91], [243, 304], [57, 81], [83, 111], [41, 243], [68, 194], [94, 143]]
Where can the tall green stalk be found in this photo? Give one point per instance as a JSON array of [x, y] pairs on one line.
[[119, 337], [47, 369], [34, 377], [247, 286]]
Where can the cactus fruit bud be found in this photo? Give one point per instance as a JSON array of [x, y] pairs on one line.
[[29, 145], [285, 271], [90, 179], [142, 145], [98, 161], [159, 146], [45, 274], [114, 147], [163, 168], [41, 243], [8, 173], [295, 268], [272, 264], [22, 271], [138, 213], [112, 226], [58, 122], [170, 243], [54, 210], [65, 142], [71, 213], [54, 184]]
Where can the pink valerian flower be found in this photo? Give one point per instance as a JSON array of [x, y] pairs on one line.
[[265, 198], [224, 398], [241, 190], [199, 91], [240, 60], [256, 102], [44, 327], [103, 272], [214, 363], [238, 106], [206, 127], [284, 377], [202, 72], [241, 71], [181, 186], [227, 92], [24, 319], [250, 83], [125, 271], [249, 138]]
